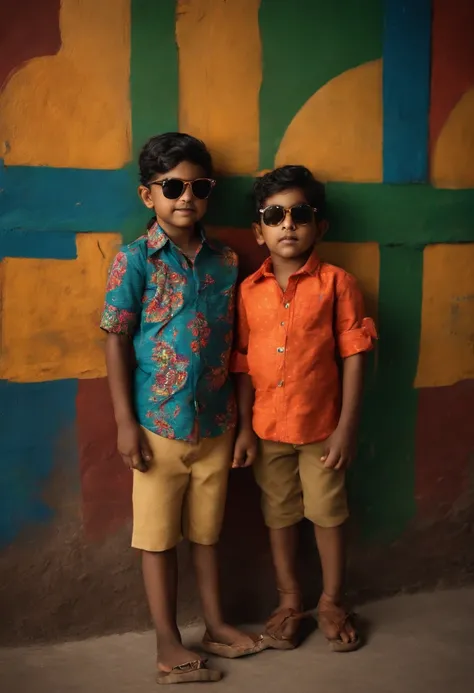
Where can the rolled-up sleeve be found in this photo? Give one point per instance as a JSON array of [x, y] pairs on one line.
[[238, 361], [123, 297], [355, 331]]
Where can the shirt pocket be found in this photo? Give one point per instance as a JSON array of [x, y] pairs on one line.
[[219, 305]]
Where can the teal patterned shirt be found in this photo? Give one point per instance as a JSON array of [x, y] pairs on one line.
[[180, 316]]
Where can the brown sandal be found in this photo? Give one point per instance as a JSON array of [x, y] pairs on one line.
[[233, 651], [282, 630], [331, 621], [190, 672]]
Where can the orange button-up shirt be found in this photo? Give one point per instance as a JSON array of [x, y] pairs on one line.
[[288, 342]]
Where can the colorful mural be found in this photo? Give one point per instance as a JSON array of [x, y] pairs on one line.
[[379, 104]]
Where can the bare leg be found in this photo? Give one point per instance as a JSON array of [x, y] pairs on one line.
[[207, 575], [160, 576], [284, 544], [331, 548]]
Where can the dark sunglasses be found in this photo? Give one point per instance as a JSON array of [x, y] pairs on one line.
[[273, 215], [173, 188]]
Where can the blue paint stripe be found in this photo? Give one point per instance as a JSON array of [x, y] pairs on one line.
[[30, 244], [37, 431], [37, 198], [406, 90]]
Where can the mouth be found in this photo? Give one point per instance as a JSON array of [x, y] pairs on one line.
[[186, 210], [289, 240]]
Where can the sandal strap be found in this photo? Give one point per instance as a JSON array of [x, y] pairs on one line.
[[194, 665], [333, 618], [278, 619]]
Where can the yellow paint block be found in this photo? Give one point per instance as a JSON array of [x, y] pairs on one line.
[[447, 318], [452, 161], [220, 73], [337, 134], [51, 312], [361, 260], [73, 109]]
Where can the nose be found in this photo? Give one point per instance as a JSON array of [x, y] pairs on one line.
[[288, 222], [187, 195]]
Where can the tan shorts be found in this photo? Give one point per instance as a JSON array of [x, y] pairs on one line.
[[295, 484], [182, 494]]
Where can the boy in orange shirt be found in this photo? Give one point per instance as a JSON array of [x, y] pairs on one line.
[[298, 416]]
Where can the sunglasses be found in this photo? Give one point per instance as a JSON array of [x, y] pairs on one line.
[[273, 215], [173, 188]]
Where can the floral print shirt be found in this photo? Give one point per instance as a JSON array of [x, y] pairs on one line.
[[180, 316]]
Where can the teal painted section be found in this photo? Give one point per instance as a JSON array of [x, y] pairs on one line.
[[107, 201], [33, 416], [306, 43], [406, 90]]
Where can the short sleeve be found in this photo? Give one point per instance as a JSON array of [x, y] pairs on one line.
[[238, 362], [124, 291], [355, 331]]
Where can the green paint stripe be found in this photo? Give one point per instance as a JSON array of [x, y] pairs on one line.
[[306, 43], [383, 479], [154, 70], [412, 215]]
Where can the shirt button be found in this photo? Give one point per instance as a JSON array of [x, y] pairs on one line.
[[287, 305], [281, 383], [282, 324], [281, 350]]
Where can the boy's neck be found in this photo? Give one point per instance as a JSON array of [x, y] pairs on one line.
[[186, 238], [284, 267]]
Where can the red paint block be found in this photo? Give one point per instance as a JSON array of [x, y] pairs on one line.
[[105, 481], [28, 29], [452, 67], [242, 241], [444, 447]]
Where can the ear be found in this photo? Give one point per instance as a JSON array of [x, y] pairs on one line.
[[323, 227], [257, 230], [144, 194]]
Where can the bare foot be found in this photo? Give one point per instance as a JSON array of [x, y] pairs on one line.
[[171, 656], [334, 621], [227, 635]]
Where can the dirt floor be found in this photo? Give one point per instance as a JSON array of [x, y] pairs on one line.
[[416, 644]]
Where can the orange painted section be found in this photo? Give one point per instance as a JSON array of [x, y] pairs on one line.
[[59, 302], [337, 134], [220, 72], [453, 155], [447, 319], [363, 261], [72, 109]]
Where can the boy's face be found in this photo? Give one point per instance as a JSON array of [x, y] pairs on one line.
[[176, 206], [290, 238]]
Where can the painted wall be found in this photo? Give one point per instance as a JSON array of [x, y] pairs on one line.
[[377, 98]]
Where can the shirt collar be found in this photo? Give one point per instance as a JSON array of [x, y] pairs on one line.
[[310, 268], [157, 239]]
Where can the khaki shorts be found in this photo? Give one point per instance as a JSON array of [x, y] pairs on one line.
[[295, 484], [182, 494]]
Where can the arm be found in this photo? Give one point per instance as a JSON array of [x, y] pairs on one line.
[[119, 320], [131, 443], [355, 334], [245, 449]]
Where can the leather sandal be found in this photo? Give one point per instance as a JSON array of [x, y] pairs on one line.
[[233, 651], [190, 672], [331, 621]]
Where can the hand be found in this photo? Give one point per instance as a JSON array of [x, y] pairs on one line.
[[245, 449], [133, 446], [339, 450]]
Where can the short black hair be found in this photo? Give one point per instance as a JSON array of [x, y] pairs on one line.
[[164, 152], [286, 178]]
